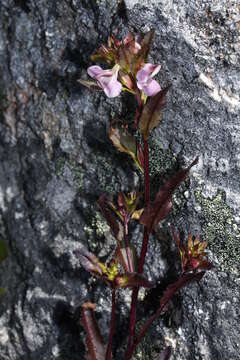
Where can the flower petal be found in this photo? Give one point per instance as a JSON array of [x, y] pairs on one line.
[[107, 79], [112, 88], [155, 70], [94, 71], [151, 88], [142, 76]]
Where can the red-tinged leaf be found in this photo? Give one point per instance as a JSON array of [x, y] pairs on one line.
[[141, 56], [92, 85], [114, 224], [126, 143], [125, 80], [140, 156], [205, 265], [184, 280], [95, 343], [171, 290], [146, 43], [152, 112], [165, 354], [158, 210], [89, 261], [104, 53], [124, 58], [127, 258], [133, 280]]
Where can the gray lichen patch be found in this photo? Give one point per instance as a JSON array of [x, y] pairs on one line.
[[161, 163], [145, 352], [220, 229], [160, 160], [97, 228]]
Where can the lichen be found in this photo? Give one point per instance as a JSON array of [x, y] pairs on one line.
[[98, 226], [146, 352], [160, 161], [107, 178], [221, 231], [78, 173]]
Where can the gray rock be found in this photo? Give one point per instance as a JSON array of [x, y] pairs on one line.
[[56, 159]]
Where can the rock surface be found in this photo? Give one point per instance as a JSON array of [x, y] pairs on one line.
[[56, 159]]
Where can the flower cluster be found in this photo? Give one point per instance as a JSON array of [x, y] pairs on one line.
[[130, 72], [193, 255]]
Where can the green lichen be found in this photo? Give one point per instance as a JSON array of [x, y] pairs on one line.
[[78, 174], [107, 175], [98, 226], [75, 168], [221, 231], [160, 161]]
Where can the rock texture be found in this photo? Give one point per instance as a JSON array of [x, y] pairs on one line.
[[56, 159]]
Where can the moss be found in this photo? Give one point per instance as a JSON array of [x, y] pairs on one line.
[[222, 233]]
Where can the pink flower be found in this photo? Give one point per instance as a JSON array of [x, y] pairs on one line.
[[106, 79], [144, 79]]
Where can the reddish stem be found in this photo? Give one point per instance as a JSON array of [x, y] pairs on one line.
[[146, 171], [139, 108], [130, 265], [112, 326], [133, 311]]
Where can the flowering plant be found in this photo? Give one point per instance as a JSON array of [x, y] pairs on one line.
[[130, 71]]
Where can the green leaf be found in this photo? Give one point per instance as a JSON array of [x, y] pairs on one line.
[[3, 251], [152, 112], [127, 143]]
